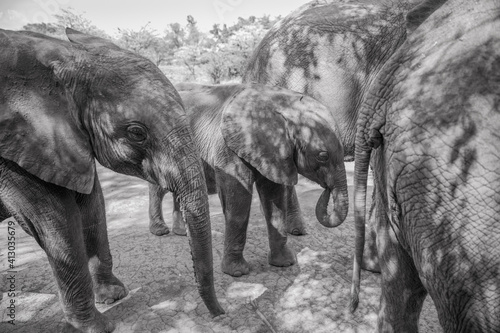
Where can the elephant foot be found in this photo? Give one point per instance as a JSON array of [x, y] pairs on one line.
[[179, 231], [179, 227], [295, 225], [158, 228], [283, 258], [297, 231], [110, 292], [98, 324], [371, 265], [235, 266]]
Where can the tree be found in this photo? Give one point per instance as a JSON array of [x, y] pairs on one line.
[[194, 36], [266, 22], [218, 55], [194, 45], [137, 41], [190, 57], [220, 35], [175, 36], [216, 66], [68, 19], [149, 44], [232, 47]]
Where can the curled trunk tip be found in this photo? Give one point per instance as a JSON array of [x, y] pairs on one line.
[[339, 213]]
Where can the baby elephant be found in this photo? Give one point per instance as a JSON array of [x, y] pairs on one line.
[[250, 134]]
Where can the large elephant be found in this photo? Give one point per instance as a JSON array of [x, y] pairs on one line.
[[62, 104], [331, 50], [250, 134], [431, 125]]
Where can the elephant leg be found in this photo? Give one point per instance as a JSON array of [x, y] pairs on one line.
[[294, 222], [273, 198], [403, 293], [107, 288], [157, 225], [51, 215], [236, 201], [179, 225], [370, 254]]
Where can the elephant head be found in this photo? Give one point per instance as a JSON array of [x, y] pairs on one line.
[[64, 104], [430, 128], [282, 134]]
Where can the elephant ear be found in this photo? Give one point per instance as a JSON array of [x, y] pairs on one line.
[[418, 14], [39, 122], [254, 129]]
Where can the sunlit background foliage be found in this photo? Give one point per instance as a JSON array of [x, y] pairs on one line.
[[182, 51]]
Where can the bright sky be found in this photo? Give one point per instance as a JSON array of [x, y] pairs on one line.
[[133, 14]]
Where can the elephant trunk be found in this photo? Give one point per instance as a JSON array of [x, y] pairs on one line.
[[340, 200], [185, 178], [362, 163], [192, 195]]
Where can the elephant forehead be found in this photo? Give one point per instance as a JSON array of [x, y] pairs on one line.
[[159, 95], [153, 111], [142, 91]]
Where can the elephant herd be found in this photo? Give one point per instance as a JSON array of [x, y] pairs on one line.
[[410, 89]]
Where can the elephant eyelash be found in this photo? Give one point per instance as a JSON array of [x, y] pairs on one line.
[[136, 133]]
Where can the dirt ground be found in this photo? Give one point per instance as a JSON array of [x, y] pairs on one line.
[[311, 296]]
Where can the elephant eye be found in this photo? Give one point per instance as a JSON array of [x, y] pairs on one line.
[[322, 156], [136, 133]]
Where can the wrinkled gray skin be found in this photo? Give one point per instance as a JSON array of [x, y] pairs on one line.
[[431, 125], [62, 104], [331, 50], [250, 134]]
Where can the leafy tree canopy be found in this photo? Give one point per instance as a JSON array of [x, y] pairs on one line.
[[182, 51]]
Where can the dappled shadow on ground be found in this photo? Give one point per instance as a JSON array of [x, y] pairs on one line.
[[311, 296]]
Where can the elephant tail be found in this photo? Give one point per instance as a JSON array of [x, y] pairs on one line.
[[362, 162]]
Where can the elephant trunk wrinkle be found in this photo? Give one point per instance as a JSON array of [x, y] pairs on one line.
[[179, 166]]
